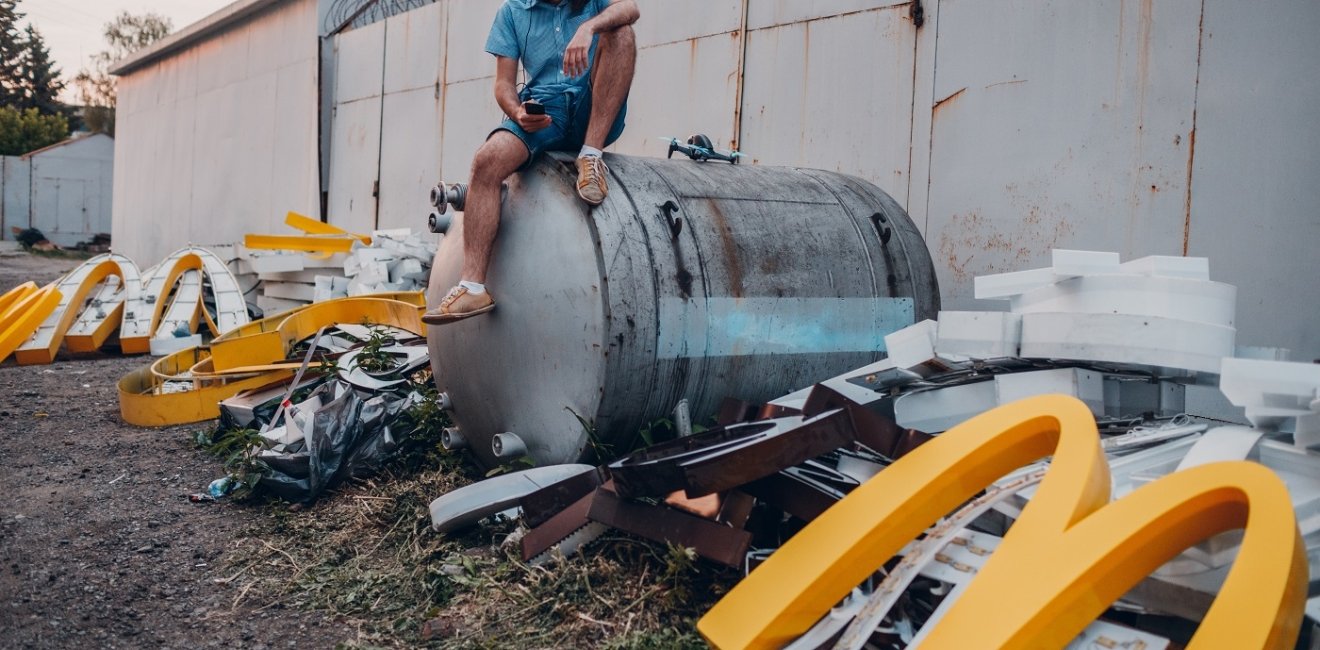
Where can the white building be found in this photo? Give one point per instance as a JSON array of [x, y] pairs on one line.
[[1005, 128], [63, 190]]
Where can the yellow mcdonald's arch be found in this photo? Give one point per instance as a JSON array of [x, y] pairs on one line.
[[1065, 560]]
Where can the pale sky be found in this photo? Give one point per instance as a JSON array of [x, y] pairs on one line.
[[72, 28]]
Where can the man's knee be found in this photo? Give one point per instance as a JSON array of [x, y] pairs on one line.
[[498, 157], [620, 38]]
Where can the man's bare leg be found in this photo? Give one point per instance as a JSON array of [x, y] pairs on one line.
[[495, 161], [611, 78]]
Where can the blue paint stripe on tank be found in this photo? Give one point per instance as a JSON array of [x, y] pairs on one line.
[[722, 327]]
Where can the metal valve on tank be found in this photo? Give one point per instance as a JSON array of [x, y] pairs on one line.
[[443, 196], [452, 439], [507, 445]]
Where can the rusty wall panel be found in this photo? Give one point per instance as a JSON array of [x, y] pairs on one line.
[[468, 26], [1057, 125], [811, 102], [415, 49], [769, 13], [682, 88], [410, 158], [359, 63], [470, 112], [670, 21], [1255, 205], [219, 139]]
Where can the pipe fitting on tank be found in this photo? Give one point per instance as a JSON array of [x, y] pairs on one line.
[[452, 439], [444, 195], [443, 402], [507, 446]]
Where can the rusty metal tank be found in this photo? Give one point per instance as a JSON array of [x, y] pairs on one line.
[[694, 281]]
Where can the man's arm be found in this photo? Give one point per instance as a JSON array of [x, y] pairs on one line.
[[506, 95], [618, 14]]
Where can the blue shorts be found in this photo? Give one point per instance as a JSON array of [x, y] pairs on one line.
[[568, 127]]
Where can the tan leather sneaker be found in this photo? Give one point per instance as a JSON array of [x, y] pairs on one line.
[[459, 304], [591, 179]]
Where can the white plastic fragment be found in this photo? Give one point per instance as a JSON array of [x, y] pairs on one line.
[[978, 334], [1168, 266], [1085, 385], [1069, 262], [913, 345], [1122, 338], [1006, 285], [1272, 392], [1177, 298]]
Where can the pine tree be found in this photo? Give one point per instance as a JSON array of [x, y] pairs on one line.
[[40, 79], [11, 54]]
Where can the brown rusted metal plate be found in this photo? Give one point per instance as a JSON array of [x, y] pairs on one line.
[[711, 540]]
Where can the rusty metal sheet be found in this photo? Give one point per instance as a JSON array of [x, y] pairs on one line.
[[1075, 133], [803, 491], [711, 540], [539, 506], [541, 539], [805, 102], [1253, 201], [721, 459], [768, 13]]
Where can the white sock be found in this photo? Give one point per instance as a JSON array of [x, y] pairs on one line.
[[474, 288], [589, 151]]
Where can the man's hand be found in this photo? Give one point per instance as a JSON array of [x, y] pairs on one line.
[[577, 55], [530, 123]]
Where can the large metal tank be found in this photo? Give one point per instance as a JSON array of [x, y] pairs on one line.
[[692, 280]]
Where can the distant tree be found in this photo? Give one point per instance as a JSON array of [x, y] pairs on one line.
[[27, 130], [125, 35], [39, 79], [11, 54]]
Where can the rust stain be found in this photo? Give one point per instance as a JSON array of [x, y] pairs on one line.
[[1187, 201], [971, 244], [729, 245], [955, 95], [1006, 83]]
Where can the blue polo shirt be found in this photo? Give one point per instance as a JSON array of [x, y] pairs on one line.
[[537, 32]]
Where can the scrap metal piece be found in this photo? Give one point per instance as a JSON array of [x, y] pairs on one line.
[[25, 316], [555, 531], [540, 506], [804, 491], [74, 289], [472, 503], [711, 540], [725, 458]]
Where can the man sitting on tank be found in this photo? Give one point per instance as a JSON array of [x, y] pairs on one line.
[[579, 57]]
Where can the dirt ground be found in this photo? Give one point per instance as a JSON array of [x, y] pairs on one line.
[[101, 547], [99, 544]]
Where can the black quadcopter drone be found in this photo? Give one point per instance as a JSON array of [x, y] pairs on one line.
[[701, 149]]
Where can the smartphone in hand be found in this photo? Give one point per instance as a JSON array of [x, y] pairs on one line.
[[533, 107]]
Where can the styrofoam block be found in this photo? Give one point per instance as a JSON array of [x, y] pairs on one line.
[[275, 263], [1069, 262], [406, 269], [1271, 392], [272, 306], [307, 276], [226, 252], [913, 345], [1006, 285], [978, 334], [1124, 338], [941, 409], [1262, 353], [323, 288], [247, 282], [1085, 385], [335, 261], [1169, 266], [289, 291], [1127, 396], [373, 273], [392, 233], [365, 255], [1179, 298]]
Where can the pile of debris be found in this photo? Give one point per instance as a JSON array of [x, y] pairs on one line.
[[297, 438], [1124, 342], [196, 293], [325, 262]]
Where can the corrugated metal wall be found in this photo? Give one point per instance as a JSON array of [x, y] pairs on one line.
[[1007, 128], [220, 139], [63, 191]]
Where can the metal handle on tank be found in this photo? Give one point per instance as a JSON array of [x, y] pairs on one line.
[[452, 439]]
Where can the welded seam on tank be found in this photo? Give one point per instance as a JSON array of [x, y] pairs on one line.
[[870, 264], [704, 360], [652, 268]]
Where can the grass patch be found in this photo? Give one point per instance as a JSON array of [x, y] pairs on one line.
[[366, 554]]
